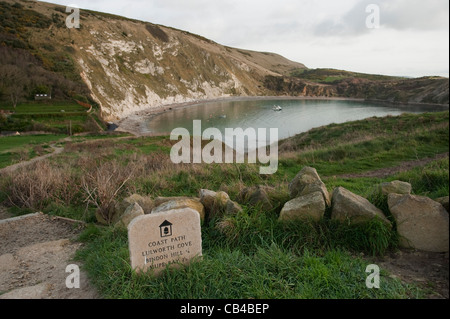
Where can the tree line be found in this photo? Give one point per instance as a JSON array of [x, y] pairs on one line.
[[22, 76]]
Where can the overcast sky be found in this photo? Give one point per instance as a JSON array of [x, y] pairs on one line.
[[412, 38]]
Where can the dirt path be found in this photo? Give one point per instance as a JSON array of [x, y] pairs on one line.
[[34, 253], [12, 168], [56, 151], [389, 171], [428, 270]]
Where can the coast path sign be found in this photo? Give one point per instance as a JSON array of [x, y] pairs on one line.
[[167, 238]]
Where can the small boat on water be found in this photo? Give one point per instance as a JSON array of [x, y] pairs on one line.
[[277, 108]]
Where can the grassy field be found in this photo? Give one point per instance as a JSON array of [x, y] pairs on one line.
[[250, 254], [20, 148], [45, 107], [268, 270], [367, 145], [332, 75], [51, 116]]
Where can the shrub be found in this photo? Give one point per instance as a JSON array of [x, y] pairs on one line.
[[36, 187], [103, 184], [157, 32]]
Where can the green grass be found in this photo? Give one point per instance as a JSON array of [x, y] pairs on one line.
[[228, 270], [431, 180], [70, 211], [252, 254], [255, 227], [368, 145], [16, 148], [50, 116], [333, 75], [10, 143], [48, 108], [96, 136], [372, 127]]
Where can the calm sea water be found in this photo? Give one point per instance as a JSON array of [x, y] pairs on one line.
[[297, 116]]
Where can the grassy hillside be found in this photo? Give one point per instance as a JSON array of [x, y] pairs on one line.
[[120, 66], [15, 149], [332, 75], [61, 117], [124, 65], [367, 145], [339, 83], [30, 62], [250, 254]]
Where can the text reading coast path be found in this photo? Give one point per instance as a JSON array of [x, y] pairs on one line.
[[167, 238]]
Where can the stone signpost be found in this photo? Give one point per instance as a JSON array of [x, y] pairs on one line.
[[167, 238]]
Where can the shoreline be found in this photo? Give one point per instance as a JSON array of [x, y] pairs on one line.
[[170, 107], [132, 123]]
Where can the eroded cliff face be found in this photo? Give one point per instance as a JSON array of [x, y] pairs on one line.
[[429, 90], [130, 65], [134, 72], [286, 85]]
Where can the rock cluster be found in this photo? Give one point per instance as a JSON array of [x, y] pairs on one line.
[[208, 205], [354, 208], [421, 222], [309, 197], [218, 203]]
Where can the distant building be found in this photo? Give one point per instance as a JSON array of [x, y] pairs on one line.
[[42, 97], [9, 133]]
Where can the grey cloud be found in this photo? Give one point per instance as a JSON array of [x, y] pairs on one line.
[[400, 15], [416, 14]]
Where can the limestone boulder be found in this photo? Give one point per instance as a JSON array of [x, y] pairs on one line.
[[207, 198], [396, 187], [218, 203], [213, 200], [132, 211], [179, 203], [145, 202], [117, 209], [422, 223], [443, 201], [347, 206], [232, 208], [258, 196], [309, 206], [222, 198], [161, 200], [307, 181]]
